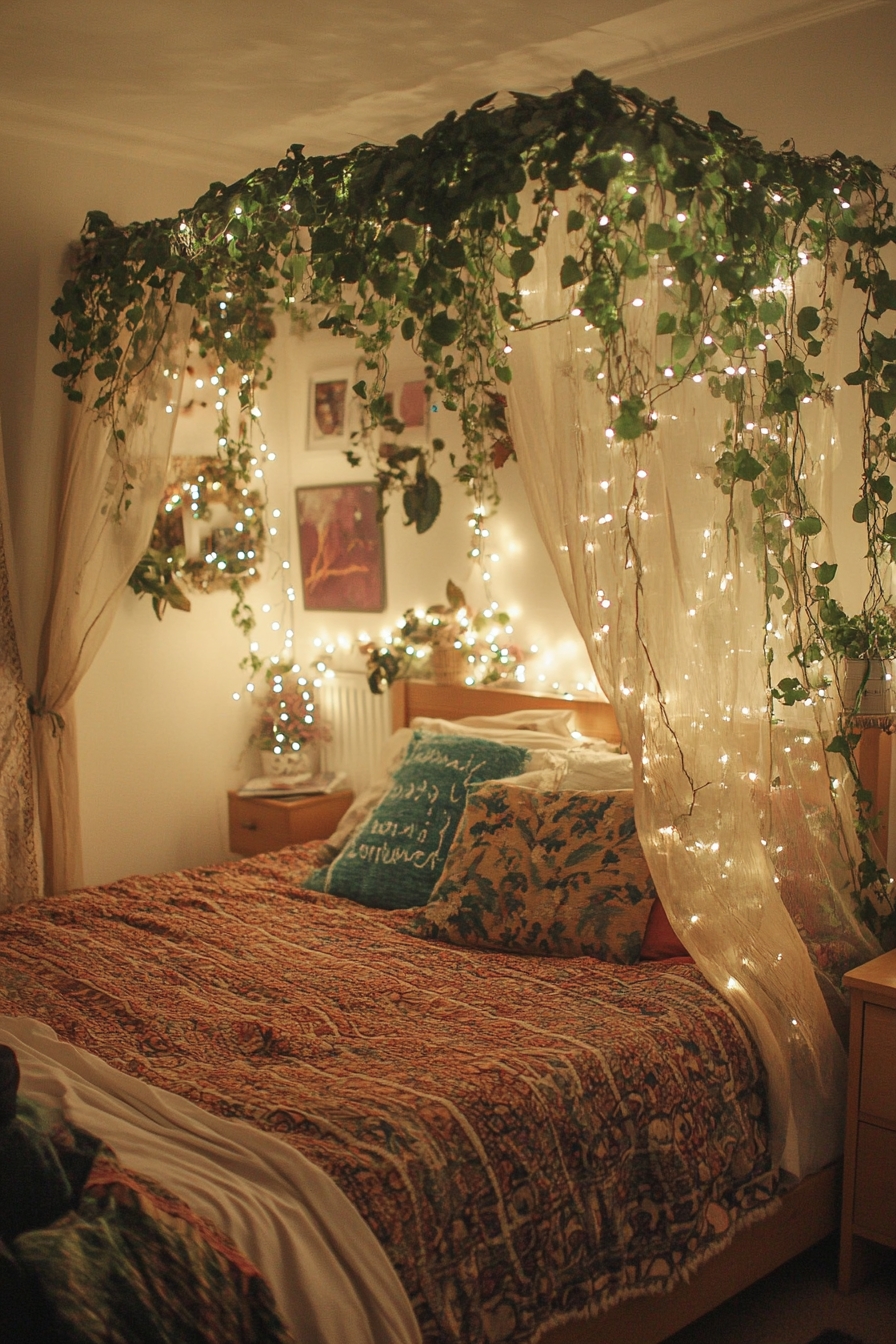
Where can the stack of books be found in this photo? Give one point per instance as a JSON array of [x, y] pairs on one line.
[[292, 786]]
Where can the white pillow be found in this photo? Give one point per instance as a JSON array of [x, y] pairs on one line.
[[578, 771], [589, 771], [512, 735], [554, 721]]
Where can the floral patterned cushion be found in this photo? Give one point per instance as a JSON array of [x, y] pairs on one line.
[[550, 874]]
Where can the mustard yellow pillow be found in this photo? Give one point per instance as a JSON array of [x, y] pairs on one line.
[[549, 874]]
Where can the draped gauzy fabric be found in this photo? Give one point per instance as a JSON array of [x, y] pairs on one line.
[[18, 861], [103, 530], [740, 821]]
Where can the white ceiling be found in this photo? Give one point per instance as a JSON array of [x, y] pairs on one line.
[[227, 84]]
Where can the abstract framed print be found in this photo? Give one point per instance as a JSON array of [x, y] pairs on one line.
[[341, 547]]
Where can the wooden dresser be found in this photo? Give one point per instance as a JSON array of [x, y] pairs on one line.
[[258, 825], [869, 1168]]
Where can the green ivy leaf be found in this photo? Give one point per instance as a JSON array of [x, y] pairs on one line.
[[422, 503], [666, 325], [825, 573], [656, 238], [521, 263], [570, 272], [807, 321], [681, 345], [882, 404], [404, 236], [574, 220], [443, 329], [746, 467], [325, 240], [629, 424], [807, 527], [771, 311]]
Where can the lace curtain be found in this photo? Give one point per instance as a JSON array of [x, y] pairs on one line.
[[109, 502], [18, 862], [742, 824]]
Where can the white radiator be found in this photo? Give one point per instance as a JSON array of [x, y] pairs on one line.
[[360, 722]]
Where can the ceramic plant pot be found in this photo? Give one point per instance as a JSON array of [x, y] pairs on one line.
[[289, 762], [878, 693]]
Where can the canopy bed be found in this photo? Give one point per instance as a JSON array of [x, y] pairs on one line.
[[556, 1148]]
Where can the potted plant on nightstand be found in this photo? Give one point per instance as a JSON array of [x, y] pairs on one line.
[[288, 733]]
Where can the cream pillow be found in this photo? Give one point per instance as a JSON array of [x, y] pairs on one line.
[[555, 721], [510, 734]]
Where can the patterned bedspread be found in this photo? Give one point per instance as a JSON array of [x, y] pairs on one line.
[[529, 1138]]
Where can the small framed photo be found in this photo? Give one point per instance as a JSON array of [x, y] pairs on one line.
[[412, 407], [330, 409], [341, 547]]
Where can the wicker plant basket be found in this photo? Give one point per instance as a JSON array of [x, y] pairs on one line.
[[448, 665]]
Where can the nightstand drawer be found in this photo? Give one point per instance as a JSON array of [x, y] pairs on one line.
[[258, 825], [874, 1210], [877, 1100], [255, 829]]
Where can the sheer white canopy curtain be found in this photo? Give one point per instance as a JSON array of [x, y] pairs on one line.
[[18, 861], [110, 495], [657, 565]]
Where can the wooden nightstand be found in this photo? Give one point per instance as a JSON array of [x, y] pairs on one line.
[[258, 825], [869, 1165]]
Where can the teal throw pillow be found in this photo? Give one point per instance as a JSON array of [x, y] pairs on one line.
[[395, 859]]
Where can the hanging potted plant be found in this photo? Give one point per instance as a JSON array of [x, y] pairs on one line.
[[865, 644]]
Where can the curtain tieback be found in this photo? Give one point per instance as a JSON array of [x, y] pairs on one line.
[[38, 709]]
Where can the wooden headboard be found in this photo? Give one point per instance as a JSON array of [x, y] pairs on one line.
[[430, 699]]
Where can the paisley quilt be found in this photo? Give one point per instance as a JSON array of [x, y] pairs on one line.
[[531, 1139]]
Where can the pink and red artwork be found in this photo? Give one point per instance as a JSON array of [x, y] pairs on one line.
[[341, 548]]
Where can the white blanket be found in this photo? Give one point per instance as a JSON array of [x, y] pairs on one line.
[[331, 1279]]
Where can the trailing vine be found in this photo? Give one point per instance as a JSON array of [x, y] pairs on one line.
[[431, 241]]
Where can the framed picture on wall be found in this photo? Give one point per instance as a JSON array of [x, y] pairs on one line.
[[329, 409], [412, 405], [341, 547]]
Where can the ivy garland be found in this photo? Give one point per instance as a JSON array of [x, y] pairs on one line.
[[425, 240]]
